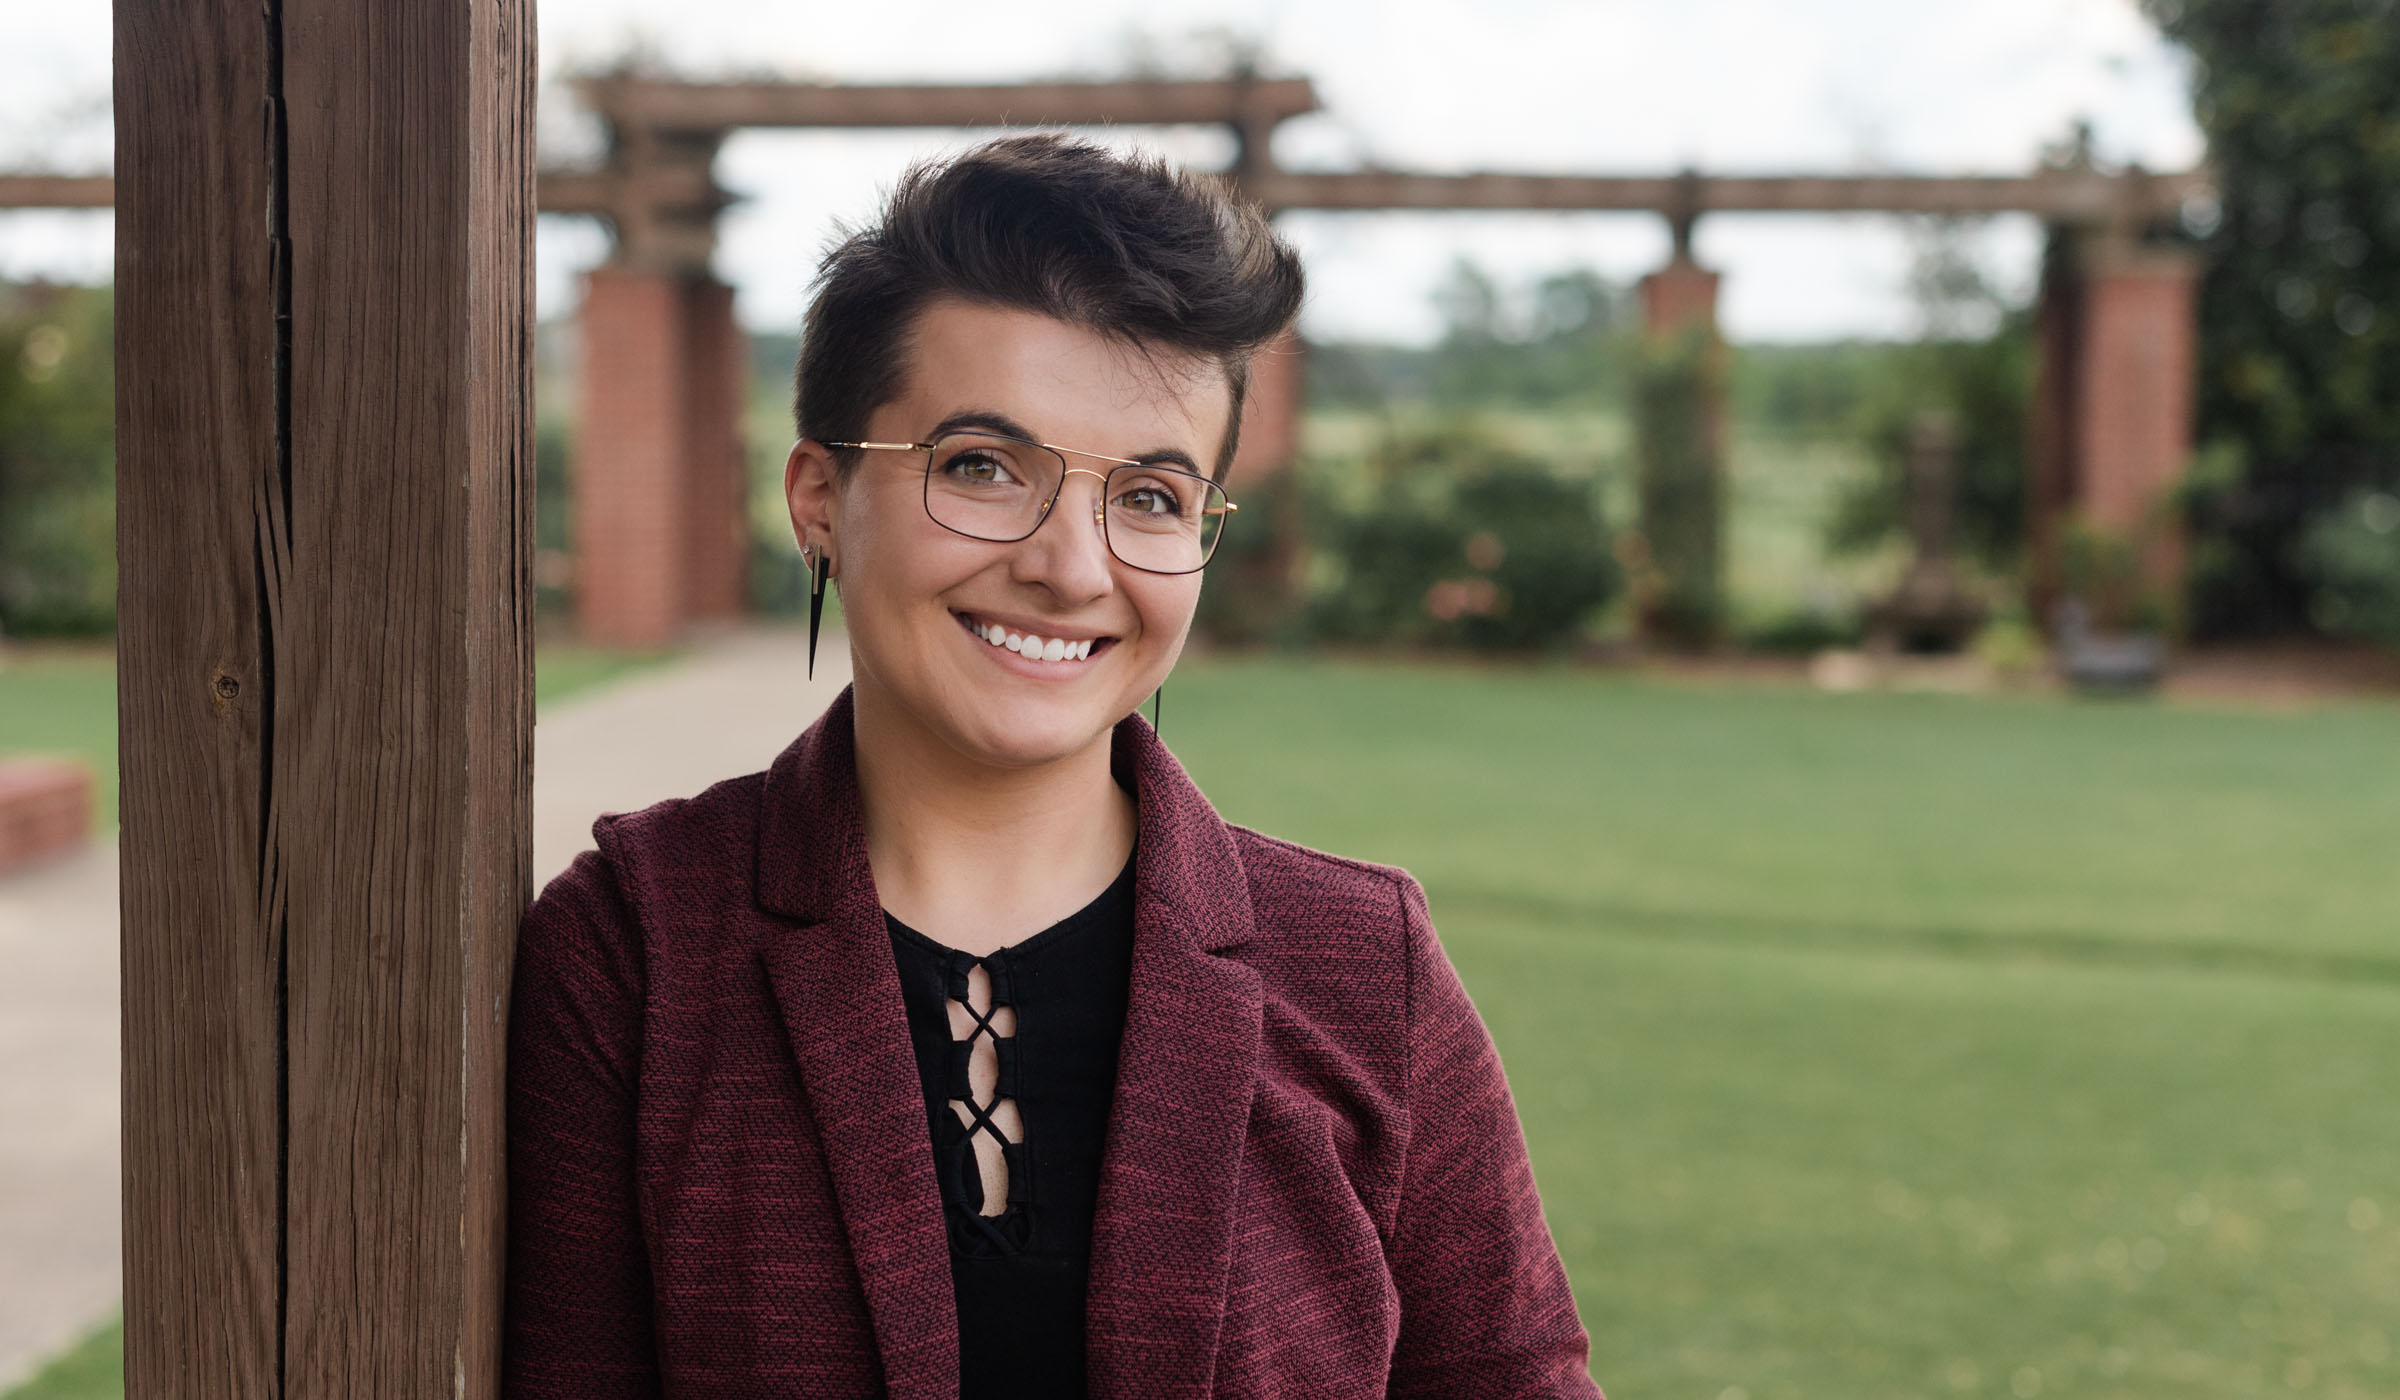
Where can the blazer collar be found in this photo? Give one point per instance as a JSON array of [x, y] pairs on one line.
[[1162, 1236]]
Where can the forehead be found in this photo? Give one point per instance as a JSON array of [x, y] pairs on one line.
[[1066, 383]]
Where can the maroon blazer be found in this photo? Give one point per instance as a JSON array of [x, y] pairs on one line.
[[1313, 1184]]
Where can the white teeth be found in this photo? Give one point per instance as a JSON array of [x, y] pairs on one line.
[[1034, 648]]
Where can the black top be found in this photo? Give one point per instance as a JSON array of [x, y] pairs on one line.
[[1019, 1276]]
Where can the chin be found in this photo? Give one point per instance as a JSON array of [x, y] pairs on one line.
[[1029, 732]]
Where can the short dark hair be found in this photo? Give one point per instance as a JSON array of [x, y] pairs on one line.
[[1125, 245]]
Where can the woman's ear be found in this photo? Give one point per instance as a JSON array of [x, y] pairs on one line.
[[808, 489]]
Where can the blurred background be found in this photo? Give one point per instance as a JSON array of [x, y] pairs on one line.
[[1854, 547]]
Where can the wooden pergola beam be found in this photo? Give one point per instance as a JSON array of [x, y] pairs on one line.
[[57, 191], [2064, 195], [676, 106], [324, 496]]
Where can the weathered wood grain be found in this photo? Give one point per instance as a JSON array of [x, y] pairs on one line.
[[198, 533], [325, 480]]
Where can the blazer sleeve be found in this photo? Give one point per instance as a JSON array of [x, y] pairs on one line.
[[1484, 1305], [578, 1302]]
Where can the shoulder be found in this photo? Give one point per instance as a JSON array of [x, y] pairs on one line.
[[683, 854], [1353, 929], [1289, 880], [707, 836]]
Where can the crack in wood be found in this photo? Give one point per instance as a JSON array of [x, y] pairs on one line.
[[272, 550]]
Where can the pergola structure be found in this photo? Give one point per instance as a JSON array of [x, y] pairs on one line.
[[658, 457], [659, 533]]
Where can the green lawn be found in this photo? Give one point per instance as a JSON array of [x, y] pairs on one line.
[[1900, 1046]]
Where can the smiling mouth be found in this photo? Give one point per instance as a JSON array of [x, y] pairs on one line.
[[1033, 646]]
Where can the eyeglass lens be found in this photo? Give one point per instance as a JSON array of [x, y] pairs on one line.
[[996, 488]]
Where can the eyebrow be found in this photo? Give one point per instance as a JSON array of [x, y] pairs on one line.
[[993, 421]]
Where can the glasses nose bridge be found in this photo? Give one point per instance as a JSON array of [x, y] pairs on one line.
[[1099, 498]]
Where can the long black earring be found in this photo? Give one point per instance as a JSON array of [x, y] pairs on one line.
[[1157, 698], [816, 607]]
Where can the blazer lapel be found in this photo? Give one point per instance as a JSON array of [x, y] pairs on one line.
[[838, 993], [1162, 1237]]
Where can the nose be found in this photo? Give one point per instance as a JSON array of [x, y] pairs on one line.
[[1074, 564]]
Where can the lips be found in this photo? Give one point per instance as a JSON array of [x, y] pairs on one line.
[[1034, 646]]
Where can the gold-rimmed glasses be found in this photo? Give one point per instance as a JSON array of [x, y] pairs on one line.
[[990, 486]]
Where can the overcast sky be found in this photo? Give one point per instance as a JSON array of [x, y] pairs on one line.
[[1600, 86]]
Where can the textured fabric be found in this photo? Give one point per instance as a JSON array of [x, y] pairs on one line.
[[1018, 1276], [1314, 1183]]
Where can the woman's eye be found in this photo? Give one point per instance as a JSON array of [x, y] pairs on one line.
[[981, 468], [1149, 500]]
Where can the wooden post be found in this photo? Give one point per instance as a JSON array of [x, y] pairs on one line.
[[324, 543]]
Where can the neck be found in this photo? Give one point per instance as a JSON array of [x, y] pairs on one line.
[[976, 856]]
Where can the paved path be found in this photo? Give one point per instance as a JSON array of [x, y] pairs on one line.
[[727, 709], [58, 1104]]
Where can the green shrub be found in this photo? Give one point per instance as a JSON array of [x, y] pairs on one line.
[[1802, 631], [1252, 592], [2104, 569], [1449, 538], [2353, 555], [1540, 541]]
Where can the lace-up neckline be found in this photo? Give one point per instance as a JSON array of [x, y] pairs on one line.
[[1017, 1057]]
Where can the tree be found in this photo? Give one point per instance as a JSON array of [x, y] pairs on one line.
[[2300, 309]]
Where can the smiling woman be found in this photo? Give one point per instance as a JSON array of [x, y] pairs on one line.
[[966, 1051]]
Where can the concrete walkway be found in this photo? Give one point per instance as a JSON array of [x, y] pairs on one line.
[[728, 708]]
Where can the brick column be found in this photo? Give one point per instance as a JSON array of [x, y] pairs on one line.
[[2133, 400], [2113, 404], [1679, 447], [1271, 412], [658, 473], [628, 518], [716, 532], [1683, 293]]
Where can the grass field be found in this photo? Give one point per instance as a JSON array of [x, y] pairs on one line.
[[1900, 1046], [1897, 1046]]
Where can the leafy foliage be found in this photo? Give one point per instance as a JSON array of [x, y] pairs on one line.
[[2300, 311], [57, 461], [1449, 538], [2354, 555]]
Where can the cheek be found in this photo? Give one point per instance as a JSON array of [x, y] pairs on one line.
[[895, 559], [1165, 606]]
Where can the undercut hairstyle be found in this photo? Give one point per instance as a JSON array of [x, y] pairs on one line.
[[1127, 246]]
